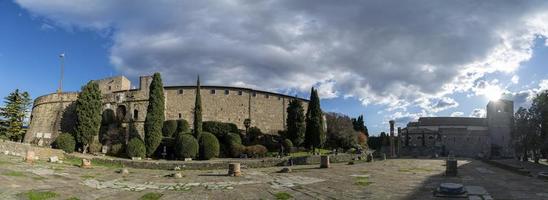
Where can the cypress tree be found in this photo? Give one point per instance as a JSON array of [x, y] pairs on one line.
[[295, 122], [14, 112], [88, 114], [155, 115], [359, 125], [197, 112], [315, 133]]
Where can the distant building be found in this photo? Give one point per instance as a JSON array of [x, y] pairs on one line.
[[462, 136], [54, 113]]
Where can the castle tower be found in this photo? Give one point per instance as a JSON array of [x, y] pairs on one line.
[[500, 121], [392, 143]]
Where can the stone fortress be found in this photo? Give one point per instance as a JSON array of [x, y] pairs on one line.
[[54, 113], [462, 136]]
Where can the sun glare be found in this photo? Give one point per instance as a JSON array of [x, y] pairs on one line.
[[493, 92]]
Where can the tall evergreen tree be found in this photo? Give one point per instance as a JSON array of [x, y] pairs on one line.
[[295, 122], [155, 115], [13, 115], [315, 134], [88, 114], [197, 131]]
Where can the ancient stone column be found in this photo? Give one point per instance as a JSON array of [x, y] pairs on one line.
[[324, 161], [451, 167], [399, 141], [234, 169], [392, 145]]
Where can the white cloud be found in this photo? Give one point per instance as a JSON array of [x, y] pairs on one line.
[[457, 114], [515, 79], [478, 112], [381, 52]]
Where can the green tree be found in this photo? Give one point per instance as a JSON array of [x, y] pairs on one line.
[[155, 115], [539, 112], [88, 114], [197, 112], [315, 134], [13, 115], [295, 122], [523, 132]]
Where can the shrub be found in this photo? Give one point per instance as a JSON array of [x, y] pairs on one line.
[[236, 150], [209, 146], [219, 129], [95, 146], [256, 150], [186, 146], [136, 148], [253, 134], [169, 128], [182, 127], [116, 150], [287, 145], [233, 138], [65, 142]]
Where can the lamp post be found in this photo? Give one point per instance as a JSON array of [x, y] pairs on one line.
[[62, 59]]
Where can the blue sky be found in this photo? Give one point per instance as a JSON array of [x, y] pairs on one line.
[[383, 59]]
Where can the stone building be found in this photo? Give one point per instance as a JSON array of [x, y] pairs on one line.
[[462, 136], [54, 113]]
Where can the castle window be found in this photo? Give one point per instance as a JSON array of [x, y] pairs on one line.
[[267, 96], [135, 114], [227, 92], [279, 98], [212, 91], [109, 87], [180, 91], [240, 92], [254, 94], [180, 116]]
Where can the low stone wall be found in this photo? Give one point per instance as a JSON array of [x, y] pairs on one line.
[[20, 149], [221, 163]]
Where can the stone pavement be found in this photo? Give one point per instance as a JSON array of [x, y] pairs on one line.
[[390, 179]]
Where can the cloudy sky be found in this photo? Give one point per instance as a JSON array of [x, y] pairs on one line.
[[384, 59]]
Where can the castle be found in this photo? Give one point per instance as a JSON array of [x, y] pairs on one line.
[[462, 136], [54, 113]]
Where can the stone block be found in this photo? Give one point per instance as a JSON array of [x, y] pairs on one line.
[[234, 169], [85, 163], [54, 159], [324, 162]]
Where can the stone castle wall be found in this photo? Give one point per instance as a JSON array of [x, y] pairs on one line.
[[266, 110]]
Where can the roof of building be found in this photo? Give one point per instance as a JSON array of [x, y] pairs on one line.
[[452, 121]]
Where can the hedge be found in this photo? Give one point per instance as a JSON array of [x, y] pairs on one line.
[[169, 128], [287, 145], [182, 126], [233, 138], [116, 150], [256, 150], [186, 146], [65, 141], [209, 146], [136, 148], [236, 150], [219, 129]]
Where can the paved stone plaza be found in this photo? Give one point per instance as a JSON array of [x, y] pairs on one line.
[[391, 179]]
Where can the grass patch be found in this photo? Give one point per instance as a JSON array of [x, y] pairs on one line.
[[363, 181], [77, 161], [282, 196], [87, 176], [73, 198], [151, 196], [15, 174], [415, 169], [37, 195], [308, 153]]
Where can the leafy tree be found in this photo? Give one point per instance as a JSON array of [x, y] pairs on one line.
[[182, 127], [359, 125], [315, 134], [295, 122], [539, 112], [169, 128], [88, 114], [155, 115], [340, 131], [13, 114], [524, 132], [197, 112], [65, 141], [209, 146]]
